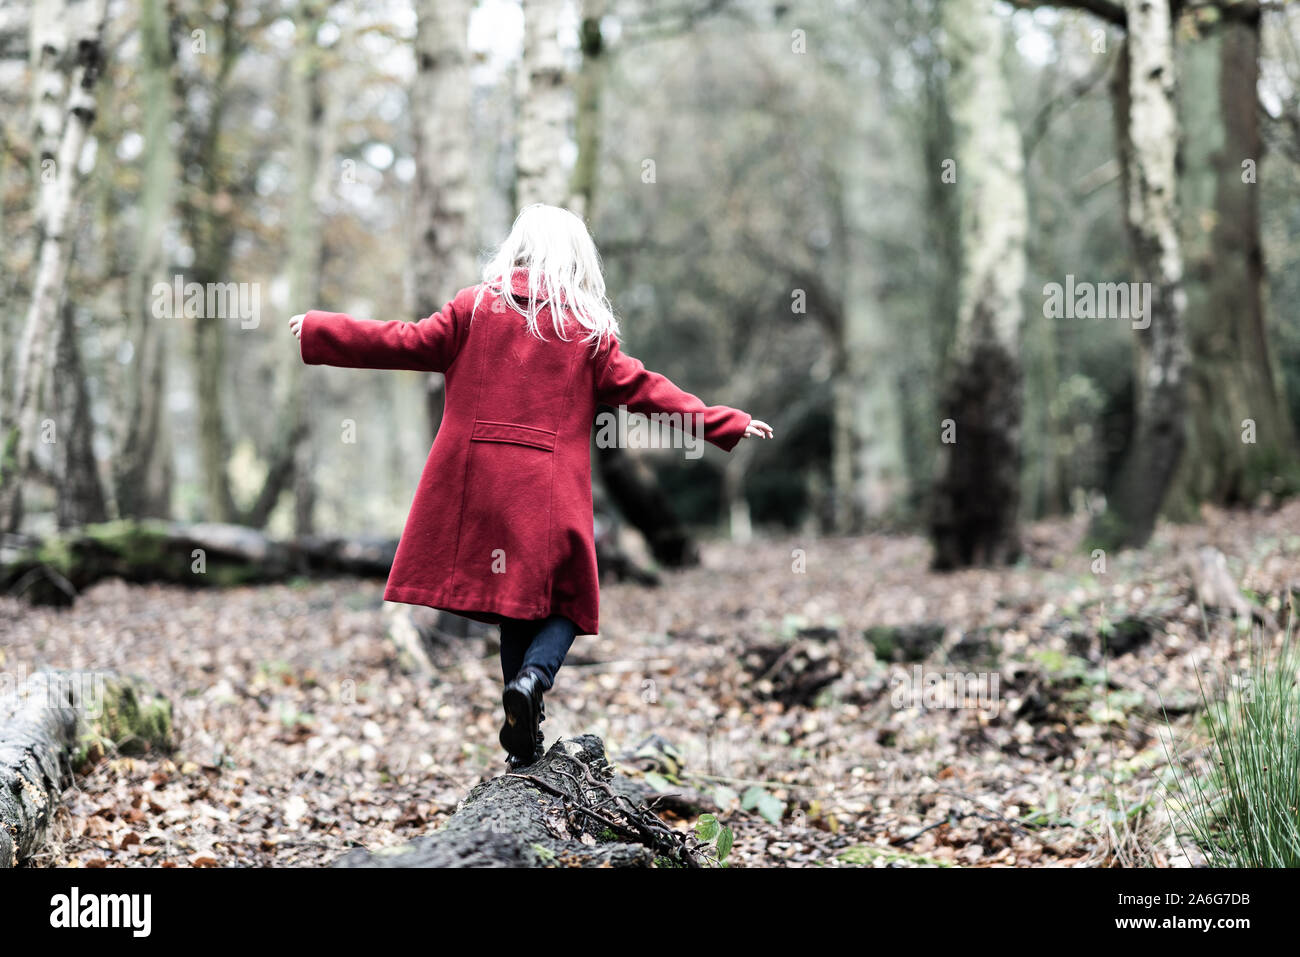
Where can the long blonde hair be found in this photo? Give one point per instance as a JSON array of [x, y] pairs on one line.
[[563, 271]]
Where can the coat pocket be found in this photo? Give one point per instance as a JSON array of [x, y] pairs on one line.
[[514, 434], [505, 551]]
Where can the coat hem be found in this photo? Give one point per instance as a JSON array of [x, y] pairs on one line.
[[430, 598]]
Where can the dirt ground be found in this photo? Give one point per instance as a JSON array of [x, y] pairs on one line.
[[777, 678]]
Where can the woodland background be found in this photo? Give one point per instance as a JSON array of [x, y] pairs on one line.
[[843, 217]]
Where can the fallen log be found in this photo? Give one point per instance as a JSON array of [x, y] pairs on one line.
[[569, 809], [54, 570], [55, 722]]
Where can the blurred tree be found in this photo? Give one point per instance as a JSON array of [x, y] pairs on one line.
[[590, 83], [443, 260], [868, 474], [80, 494], [67, 60], [313, 167], [1147, 131], [207, 209], [625, 482], [213, 194], [1231, 378], [977, 495], [142, 473], [546, 108]]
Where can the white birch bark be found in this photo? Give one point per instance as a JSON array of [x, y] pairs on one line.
[[546, 108], [57, 29]]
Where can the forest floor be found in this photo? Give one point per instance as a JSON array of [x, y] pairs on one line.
[[775, 675]]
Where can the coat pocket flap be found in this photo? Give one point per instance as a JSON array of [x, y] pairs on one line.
[[515, 434]]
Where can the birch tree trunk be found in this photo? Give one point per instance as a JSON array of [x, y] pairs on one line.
[[54, 722], [1148, 127], [58, 31], [546, 108], [977, 495]]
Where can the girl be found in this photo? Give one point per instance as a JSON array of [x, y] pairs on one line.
[[501, 529]]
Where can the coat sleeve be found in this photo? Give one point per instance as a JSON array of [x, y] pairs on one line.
[[337, 339], [621, 380]]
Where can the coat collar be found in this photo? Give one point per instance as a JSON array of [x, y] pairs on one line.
[[519, 285]]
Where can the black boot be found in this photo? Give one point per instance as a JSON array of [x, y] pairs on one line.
[[514, 762], [522, 702]]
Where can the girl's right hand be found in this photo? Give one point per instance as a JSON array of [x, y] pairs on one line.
[[757, 430], [295, 325]]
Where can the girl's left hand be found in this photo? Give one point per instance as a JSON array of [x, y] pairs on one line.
[[295, 325], [757, 430]]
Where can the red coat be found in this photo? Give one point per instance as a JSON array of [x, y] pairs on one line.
[[501, 523]]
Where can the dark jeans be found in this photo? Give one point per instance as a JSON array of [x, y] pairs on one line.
[[540, 644]]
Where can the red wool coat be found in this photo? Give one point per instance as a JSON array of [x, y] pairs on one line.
[[501, 523]]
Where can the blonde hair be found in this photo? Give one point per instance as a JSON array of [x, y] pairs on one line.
[[563, 271]]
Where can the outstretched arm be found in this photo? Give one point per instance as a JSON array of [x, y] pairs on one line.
[[622, 380], [337, 339]]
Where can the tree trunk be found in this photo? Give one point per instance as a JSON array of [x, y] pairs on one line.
[[80, 493], [141, 481], [867, 469], [734, 502], [977, 496], [312, 167], [1149, 137], [55, 723], [590, 86], [1230, 377], [61, 32], [942, 221], [546, 108], [208, 353], [444, 200], [206, 209], [641, 501]]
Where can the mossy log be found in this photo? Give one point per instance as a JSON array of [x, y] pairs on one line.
[[54, 570], [53, 723], [569, 809]]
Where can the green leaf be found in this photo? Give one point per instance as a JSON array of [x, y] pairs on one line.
[[657, 781], [725, 840], [724, 796], [771, 808], [706, 829], [753, 794]]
